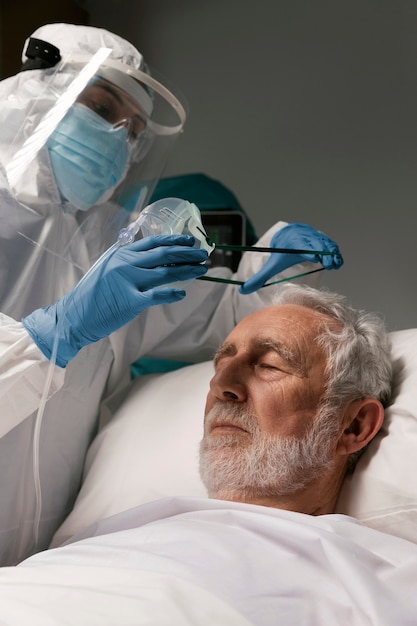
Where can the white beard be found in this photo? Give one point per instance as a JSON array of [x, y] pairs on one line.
[[262, 464]]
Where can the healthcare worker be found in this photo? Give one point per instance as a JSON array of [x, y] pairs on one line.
[[86, 130]]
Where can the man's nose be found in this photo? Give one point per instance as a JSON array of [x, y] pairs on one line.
[[228, 383]]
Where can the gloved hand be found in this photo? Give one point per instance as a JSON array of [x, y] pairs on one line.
[[297, 237], [115, 292]]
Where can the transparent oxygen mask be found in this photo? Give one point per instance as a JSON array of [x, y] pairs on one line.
[[168, 216]]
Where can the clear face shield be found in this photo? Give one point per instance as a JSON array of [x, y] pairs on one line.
[[92, 143]]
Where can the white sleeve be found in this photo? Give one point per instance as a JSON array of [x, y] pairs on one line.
[[23, 373], [192, 329]]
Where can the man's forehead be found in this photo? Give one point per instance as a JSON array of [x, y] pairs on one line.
[[288, 329], [291, 325], [277, 317]]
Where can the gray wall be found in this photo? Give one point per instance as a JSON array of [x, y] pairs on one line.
[[307, 111]]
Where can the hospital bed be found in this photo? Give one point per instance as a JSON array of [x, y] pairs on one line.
[[279, 568]]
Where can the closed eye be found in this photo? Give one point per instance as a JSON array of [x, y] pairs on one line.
[[269, 366], [274, 364]]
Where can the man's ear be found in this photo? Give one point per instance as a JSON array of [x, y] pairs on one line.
[[364, 418]]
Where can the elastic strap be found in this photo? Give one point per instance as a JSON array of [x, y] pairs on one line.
[[229, 281], [261, 249]]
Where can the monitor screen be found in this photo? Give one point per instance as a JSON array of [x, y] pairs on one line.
[[227, 228]]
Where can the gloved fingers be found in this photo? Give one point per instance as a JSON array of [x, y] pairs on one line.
[[146, 279], [166, 255], [277, 262], [305, 237], [184, 272], [320, 241], [331, 261], [252, 284], [153, 297], [147, 243]]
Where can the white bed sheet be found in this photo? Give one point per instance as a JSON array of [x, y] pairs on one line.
[[177, 559], [84, 595]]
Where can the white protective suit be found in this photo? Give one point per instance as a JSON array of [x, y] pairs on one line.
[[188, 330]]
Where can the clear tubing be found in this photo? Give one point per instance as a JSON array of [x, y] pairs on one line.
[[128, 234], [98, 265]]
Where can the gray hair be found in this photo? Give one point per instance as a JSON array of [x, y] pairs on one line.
[[357, 346]]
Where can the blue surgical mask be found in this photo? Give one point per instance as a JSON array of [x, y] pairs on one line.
[[89, 156]]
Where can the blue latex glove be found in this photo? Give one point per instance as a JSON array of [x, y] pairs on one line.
[[296, 237], [115, 292]]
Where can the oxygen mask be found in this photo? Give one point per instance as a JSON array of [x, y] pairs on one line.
[[168, 216]]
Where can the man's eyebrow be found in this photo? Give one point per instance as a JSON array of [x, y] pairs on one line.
[[294, 359], [226, 349]]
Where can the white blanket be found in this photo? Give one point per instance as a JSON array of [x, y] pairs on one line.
[[201, 562]]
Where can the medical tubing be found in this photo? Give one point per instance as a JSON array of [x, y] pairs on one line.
[[41, 410], [127, 234]]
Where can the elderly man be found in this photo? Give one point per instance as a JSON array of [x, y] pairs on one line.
[[300, 388], [298, 392]]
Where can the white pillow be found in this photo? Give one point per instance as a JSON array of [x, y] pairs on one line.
[[382, 492], [150, 450]]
